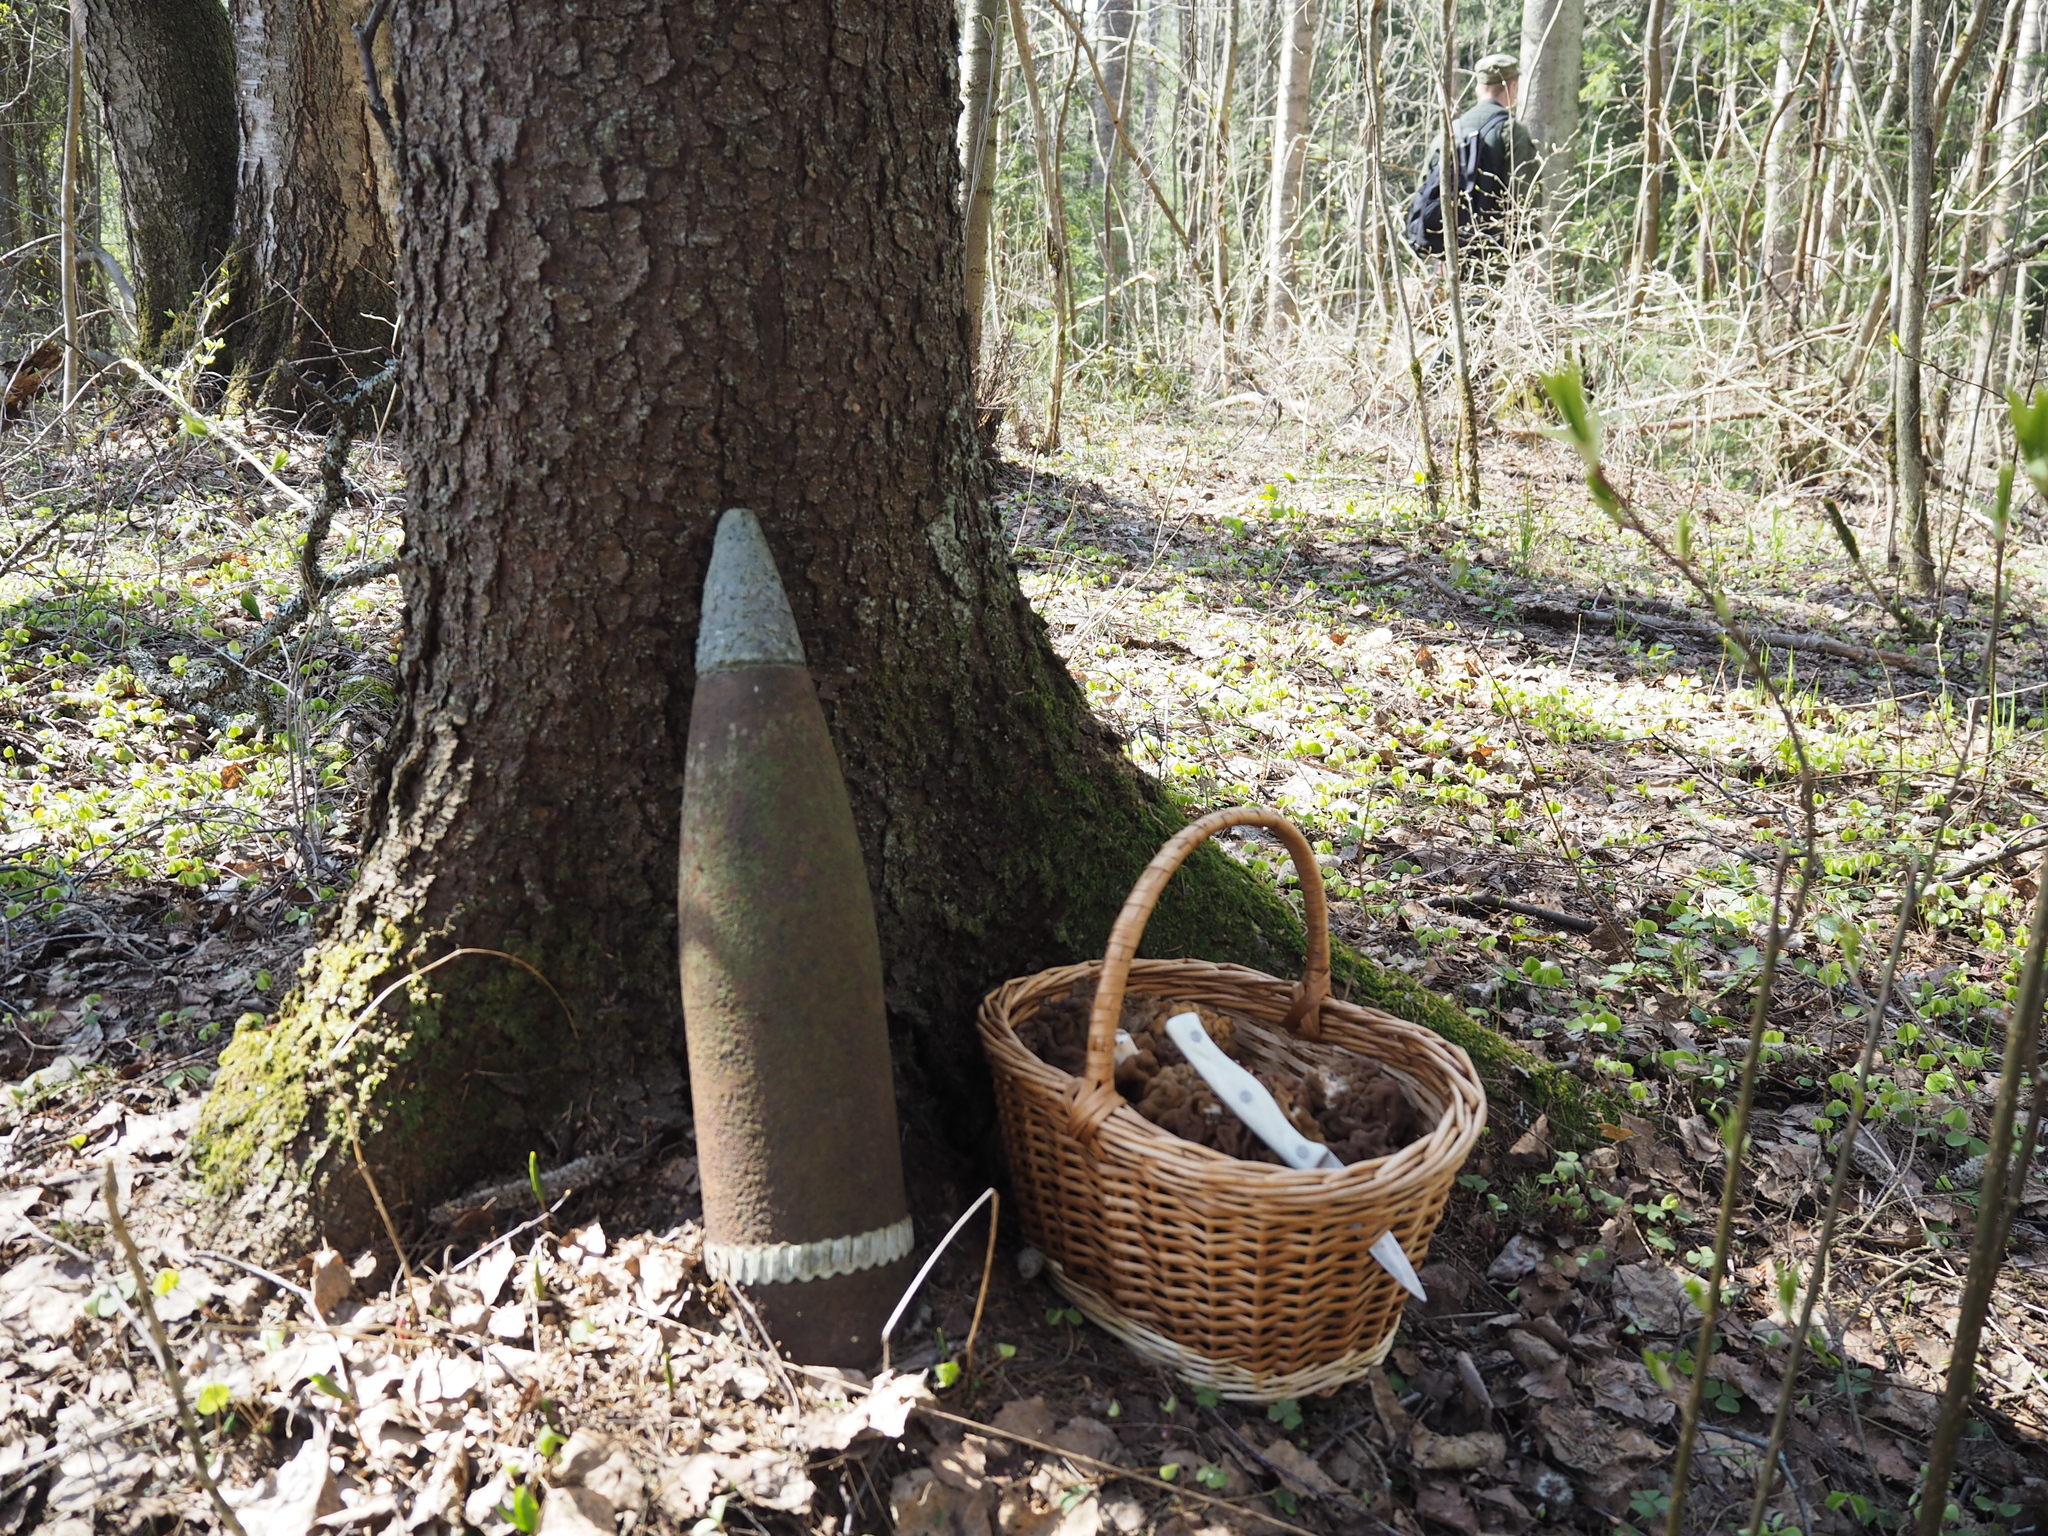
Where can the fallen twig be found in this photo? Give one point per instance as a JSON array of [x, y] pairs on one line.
[[1778, 640], [167, 1360], [2012, 849], [26, 1472], [262, 1274], [1564, 920]]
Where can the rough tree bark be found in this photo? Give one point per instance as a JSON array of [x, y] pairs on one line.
[[314, 234], [164, 71], [1290, 156], [1553, 54], [981, 53], [729, 274]]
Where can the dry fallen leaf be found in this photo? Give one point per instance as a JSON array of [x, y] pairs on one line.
[[1625, 1387], [1432, 1452], [1522, 1254], [576, 1512], [1607, 1453], [1028, 1417], [1446, 1504], [330, 1282], [1533, 1149], [295, 1496], [1654, 1298], [1297, 1469]]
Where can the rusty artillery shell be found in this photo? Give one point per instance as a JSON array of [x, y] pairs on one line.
[[782, 985]]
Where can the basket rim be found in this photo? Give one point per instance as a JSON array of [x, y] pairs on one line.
[[1132, 1136]]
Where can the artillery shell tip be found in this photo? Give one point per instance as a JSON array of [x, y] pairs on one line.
[[746, 619]]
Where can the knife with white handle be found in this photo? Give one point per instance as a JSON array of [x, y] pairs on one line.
[[1250, 1100], [1246, 1096]]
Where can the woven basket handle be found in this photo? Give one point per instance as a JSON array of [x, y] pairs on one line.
[[1096, 1096]]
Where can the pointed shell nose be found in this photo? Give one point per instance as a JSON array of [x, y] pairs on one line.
[[746, 619]]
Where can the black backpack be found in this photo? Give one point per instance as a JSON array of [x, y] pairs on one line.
[[1482, 188]]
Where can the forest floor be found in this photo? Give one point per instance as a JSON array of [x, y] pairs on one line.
[[1462, 711]]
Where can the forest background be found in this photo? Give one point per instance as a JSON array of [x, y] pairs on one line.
[[1790, 254]]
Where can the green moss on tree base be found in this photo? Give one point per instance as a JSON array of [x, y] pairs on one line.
[[1510, 1073], [418, 1080]]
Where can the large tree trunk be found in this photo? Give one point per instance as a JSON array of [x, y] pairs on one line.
[[1290, 156], [981, 52], [315, 235], [1553, 52], [729, 274], [164, 71]]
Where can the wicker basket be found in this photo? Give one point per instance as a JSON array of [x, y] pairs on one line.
[[1248, 1278]]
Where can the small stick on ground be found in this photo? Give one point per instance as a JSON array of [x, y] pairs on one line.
[[995, 1211], [390, 1227], [175, 1378], [774, 1355]]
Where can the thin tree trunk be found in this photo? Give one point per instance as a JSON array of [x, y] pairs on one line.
[[1290, 156], [1650, 206], [2011, 143], [1958, 61], [1466, 456], [1835, 232], [773, 319], [981, 69], [1908, 446], [1896, 54], [1553, 52], [1055, 219], [74, 127], [1375, 246], [32, 112], [1371, 23], [1979, 184], [1781, 179], [1806, 257], [1116, 23], [1983, 142], [315, 287], [164, 71], [1219, 187]]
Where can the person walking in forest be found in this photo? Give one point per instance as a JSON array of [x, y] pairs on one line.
[[1496, 177]]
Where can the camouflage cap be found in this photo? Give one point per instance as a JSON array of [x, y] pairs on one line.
[[1497, 67]]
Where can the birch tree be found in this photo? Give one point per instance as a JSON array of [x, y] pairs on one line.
[[1553, 42], [1290, 156], [314, 210]]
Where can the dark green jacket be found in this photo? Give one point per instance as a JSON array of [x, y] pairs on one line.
[[1522, 162]]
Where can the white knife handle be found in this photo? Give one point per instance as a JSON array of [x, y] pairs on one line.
[[1245, 1096]]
